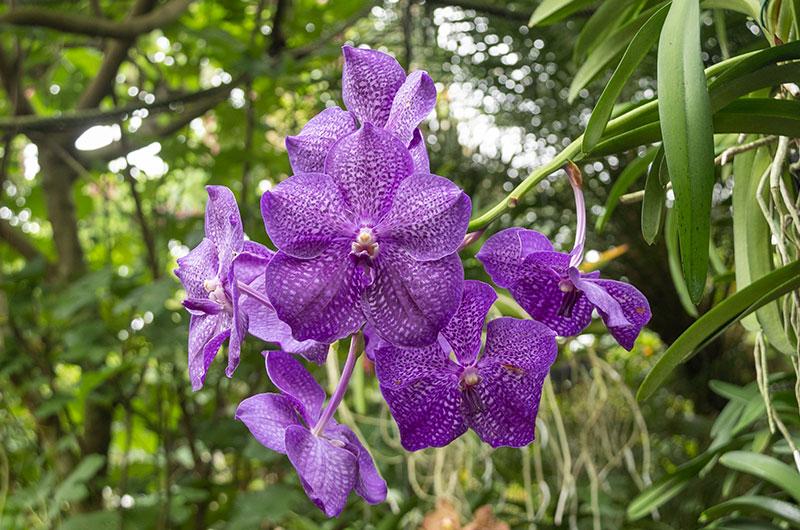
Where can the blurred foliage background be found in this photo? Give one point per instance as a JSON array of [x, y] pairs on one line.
[[114, 115]]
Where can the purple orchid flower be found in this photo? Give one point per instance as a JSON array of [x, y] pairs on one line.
[[434, 398], [366, 240], [376, 90], [328, 456], [551, 288], [212, 274]]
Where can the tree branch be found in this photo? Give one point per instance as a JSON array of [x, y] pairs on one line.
[[94, 26], [19, 242], [10, 82], [278, 41], [88, 117], [301, 52], [116, 52]]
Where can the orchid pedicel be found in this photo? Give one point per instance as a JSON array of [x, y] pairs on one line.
[[367, 243]]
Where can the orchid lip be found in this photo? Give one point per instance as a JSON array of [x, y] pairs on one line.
[[468, 382], [216, 293], [365, 244]]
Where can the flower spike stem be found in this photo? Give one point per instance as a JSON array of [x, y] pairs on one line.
[[576, 181], [341, 387], [249, 291]]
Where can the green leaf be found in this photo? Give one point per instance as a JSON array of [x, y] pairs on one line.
[[655, 195], [751, 242], [674, 262], [552, 11], [608, 16], [767, 76], [605, 52], [766, 468], [638, 48], [731, 392], [73, 488], [746, 64], [688, 135], [760, 115], [624, 181], [746, 7], [668, 486], [94, 520], [711, 324]]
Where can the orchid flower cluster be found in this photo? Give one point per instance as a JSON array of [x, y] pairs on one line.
[[367, 246]]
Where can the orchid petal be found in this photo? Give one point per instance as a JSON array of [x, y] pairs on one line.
[[206, 335], [263, 322], [201, 306], [420, 385], [428, 218], [370, 80], [307, 150], [328, 473], [537, 291], [199, 265], [248, 269], [415, 99], [463, 332], [294, 381], [318, 298], [367, 166], [623, 308], [369, 484], [419, 153], [304, 213], [224, 226], [267, 416], [517, 359], [411, 301], [503, 253]]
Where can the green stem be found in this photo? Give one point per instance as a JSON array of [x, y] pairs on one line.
[[633, 118]]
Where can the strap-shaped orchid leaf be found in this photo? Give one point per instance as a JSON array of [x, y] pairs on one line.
[[710, 325]]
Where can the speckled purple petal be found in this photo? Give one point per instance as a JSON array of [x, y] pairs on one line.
[[372, 341], [369, 484], [328, 473], [537, 291], [267, 416], [307, 150], [199, 265], [503, 253], [419, 153], [201, 306], [623, 308], [415, 99], [512, 370], [370, 80], [367, 166], [420, 385], [463, 332], [411, 301], [224, 226], [295, 382], [248, 269], [304, 213], [263, 322], [206, 335], [428, 218], [258, 249], [318, 298]]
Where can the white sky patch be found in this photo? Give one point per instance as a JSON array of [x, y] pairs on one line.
[[147, 160], [30, 161], [98, 137]]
